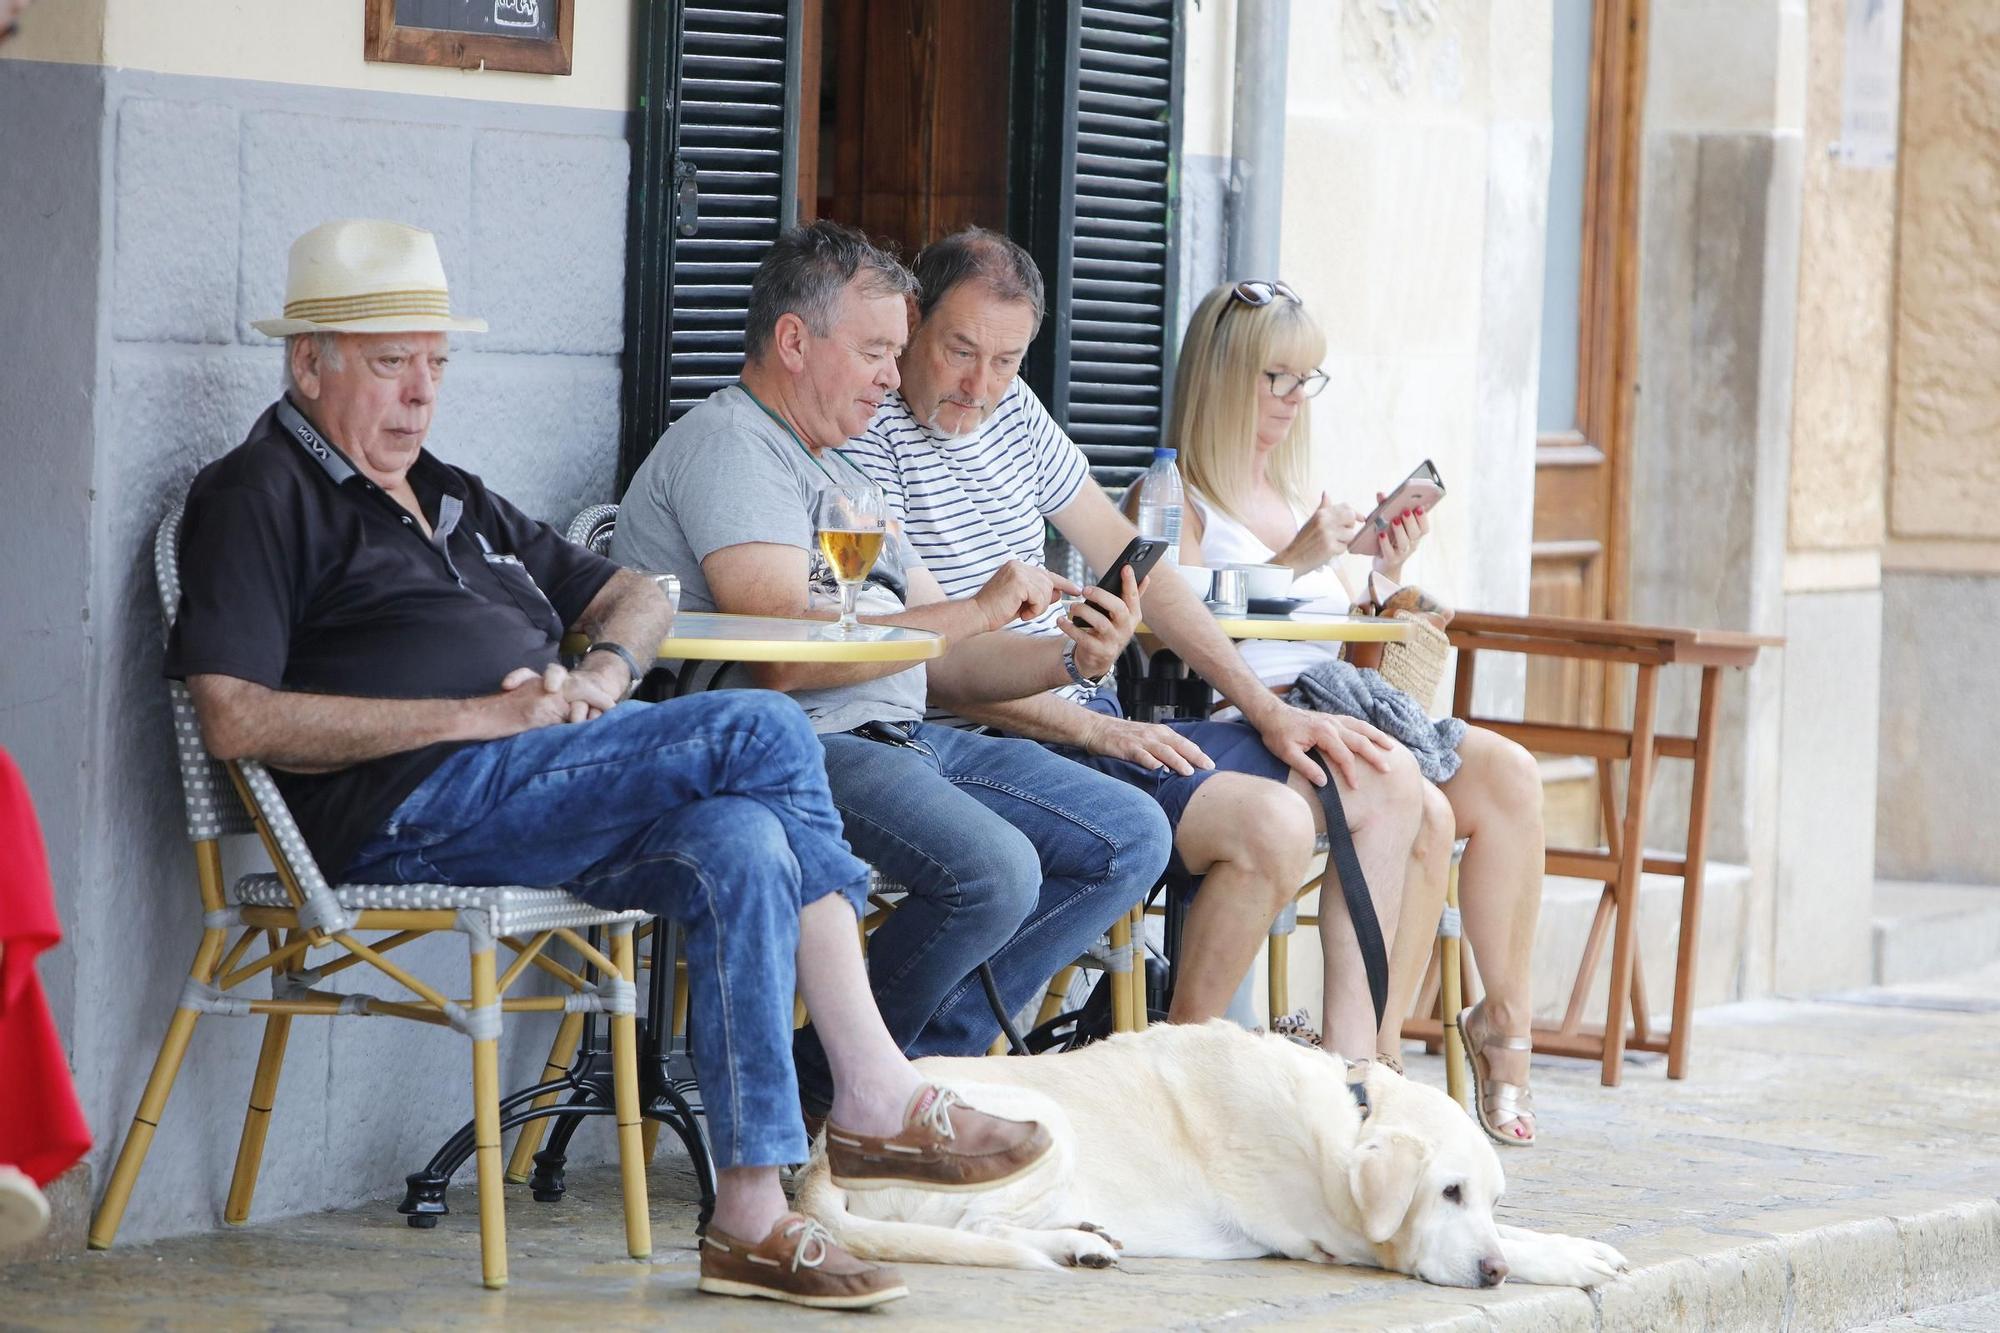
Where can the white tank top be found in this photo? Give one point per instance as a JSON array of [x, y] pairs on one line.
[[1224, 541]]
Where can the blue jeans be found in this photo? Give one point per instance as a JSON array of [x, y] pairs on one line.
[[710, 811], [1010, 853]]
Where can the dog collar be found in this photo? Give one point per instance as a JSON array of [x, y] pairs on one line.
[[1360, 1093]]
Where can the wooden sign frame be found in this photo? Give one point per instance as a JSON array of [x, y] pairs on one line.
[[387, 40]]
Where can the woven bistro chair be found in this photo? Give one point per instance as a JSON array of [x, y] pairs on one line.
[[296, 909]]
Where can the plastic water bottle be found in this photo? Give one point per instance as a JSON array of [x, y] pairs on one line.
[[1160, 503]]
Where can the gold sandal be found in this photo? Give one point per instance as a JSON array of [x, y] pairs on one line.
[[1494, 1102]]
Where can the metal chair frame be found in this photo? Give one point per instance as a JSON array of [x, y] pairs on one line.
[[296, 909]]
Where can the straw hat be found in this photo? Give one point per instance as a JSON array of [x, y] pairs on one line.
[[365, 276]]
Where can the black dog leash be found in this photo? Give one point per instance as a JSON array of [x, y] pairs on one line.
[[1354, 887]]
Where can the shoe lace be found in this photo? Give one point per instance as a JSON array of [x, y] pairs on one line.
[[814, 1240], [937, 1116]]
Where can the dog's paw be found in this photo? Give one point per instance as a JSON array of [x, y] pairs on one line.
[[1097, 1230], [1563, 1261], [1089, 1248]]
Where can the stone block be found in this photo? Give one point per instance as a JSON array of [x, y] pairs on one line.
[[174, 232], [302, 170], [548, 241], [1845, 1275], [1926, 931], [1940, 731], [1826, 802], [1661, 1297], [1748, 1288], [542, 431], [1952, 1254]]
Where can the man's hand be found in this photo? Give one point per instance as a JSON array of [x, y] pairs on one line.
[[527, 701], [1018, 591], [1323, 537], [599, 683], [1102, 624], [1293, 734], [1147, 744]]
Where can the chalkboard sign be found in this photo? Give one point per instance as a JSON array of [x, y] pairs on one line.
[[528, 35]]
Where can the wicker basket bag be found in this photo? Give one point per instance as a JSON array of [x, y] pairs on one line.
[[1416, 666]]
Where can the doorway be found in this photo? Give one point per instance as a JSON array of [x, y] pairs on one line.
[[912, 125]]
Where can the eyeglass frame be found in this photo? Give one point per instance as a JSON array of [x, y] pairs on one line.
[[1312, 382]]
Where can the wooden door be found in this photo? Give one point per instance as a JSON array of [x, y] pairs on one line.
[[1582, 474]]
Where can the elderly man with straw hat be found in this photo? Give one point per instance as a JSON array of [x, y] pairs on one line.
[[382, 630]]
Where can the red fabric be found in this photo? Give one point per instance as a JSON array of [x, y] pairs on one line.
[[41, 1126]]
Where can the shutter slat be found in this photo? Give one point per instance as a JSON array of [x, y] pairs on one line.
[[732, 128]]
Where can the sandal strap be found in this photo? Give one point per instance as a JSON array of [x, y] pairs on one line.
[[1507, 1101]]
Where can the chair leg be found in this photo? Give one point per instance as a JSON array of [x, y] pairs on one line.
[[529, 1141], [1278, 982], [1058, 992], [257, 1120], [104, 1227], [632, 1152], [1138, 979], [1452, 997], [486, 1126], [1119, 978]]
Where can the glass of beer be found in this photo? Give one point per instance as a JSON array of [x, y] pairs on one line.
[[849, 521]]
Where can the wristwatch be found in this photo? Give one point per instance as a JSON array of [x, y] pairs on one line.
[[624, 655], [1076, 673]]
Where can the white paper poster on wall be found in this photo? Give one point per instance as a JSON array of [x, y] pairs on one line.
[[1871, 83]]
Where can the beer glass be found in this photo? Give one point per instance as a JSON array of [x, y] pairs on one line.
[[849, 522]]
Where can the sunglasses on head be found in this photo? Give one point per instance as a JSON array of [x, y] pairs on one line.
[[1262, 293]]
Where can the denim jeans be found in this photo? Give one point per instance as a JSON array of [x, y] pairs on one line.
[[1010, 853], [710, 811]]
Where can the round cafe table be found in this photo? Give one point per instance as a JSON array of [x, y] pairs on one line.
[[576, 1084]]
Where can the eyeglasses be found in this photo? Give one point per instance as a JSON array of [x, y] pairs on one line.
[[1262, 293], [1284, 382]]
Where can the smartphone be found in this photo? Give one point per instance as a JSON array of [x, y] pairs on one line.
[[1139, 555], [1422, 489]]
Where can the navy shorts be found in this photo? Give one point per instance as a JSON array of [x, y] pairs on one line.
[[1234, 746]]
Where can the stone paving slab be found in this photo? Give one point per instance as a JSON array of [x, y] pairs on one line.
[[1828, 1165]]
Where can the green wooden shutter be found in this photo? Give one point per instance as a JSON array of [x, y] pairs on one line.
[[713, 172], [1096, 96]]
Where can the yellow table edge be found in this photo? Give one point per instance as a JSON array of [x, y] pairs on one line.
[[911, 645]]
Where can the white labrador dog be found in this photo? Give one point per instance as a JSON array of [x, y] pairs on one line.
[[1209, 1142]]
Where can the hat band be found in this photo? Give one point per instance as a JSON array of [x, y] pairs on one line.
[[430, 301]]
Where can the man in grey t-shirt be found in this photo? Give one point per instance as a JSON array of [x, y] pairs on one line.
[[1011, 854]]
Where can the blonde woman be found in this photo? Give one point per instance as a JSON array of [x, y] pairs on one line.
[[1248, 366]]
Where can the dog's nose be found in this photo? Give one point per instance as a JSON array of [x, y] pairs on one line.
[[1492, 1272]]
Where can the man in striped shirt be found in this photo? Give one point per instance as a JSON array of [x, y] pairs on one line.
[[973, 465]]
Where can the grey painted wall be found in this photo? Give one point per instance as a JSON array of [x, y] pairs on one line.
[[1940, 728], [49, 257], [158, 219]]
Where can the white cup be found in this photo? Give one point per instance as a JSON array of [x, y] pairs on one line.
[[1266, 581]]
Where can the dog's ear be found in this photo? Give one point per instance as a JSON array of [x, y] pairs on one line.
[[1382, 1178]]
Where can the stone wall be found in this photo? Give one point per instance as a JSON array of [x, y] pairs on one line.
[[1416, 194], [158, 209], [1940, 717]]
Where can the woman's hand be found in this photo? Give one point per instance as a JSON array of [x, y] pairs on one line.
[[1322, 538], [1399, 541]]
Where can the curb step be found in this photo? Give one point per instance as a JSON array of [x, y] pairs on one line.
[[1852, 1274]]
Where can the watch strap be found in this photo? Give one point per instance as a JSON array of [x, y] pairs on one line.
[[623, 654]]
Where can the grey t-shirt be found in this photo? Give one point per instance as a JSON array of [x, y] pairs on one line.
[[726, 474]]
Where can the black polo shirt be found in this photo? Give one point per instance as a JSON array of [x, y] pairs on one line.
[[298, 573]]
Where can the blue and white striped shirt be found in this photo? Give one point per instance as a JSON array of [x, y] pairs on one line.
[[971, 503]]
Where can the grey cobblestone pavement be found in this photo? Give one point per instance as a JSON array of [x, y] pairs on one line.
[[1831, 1164]]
